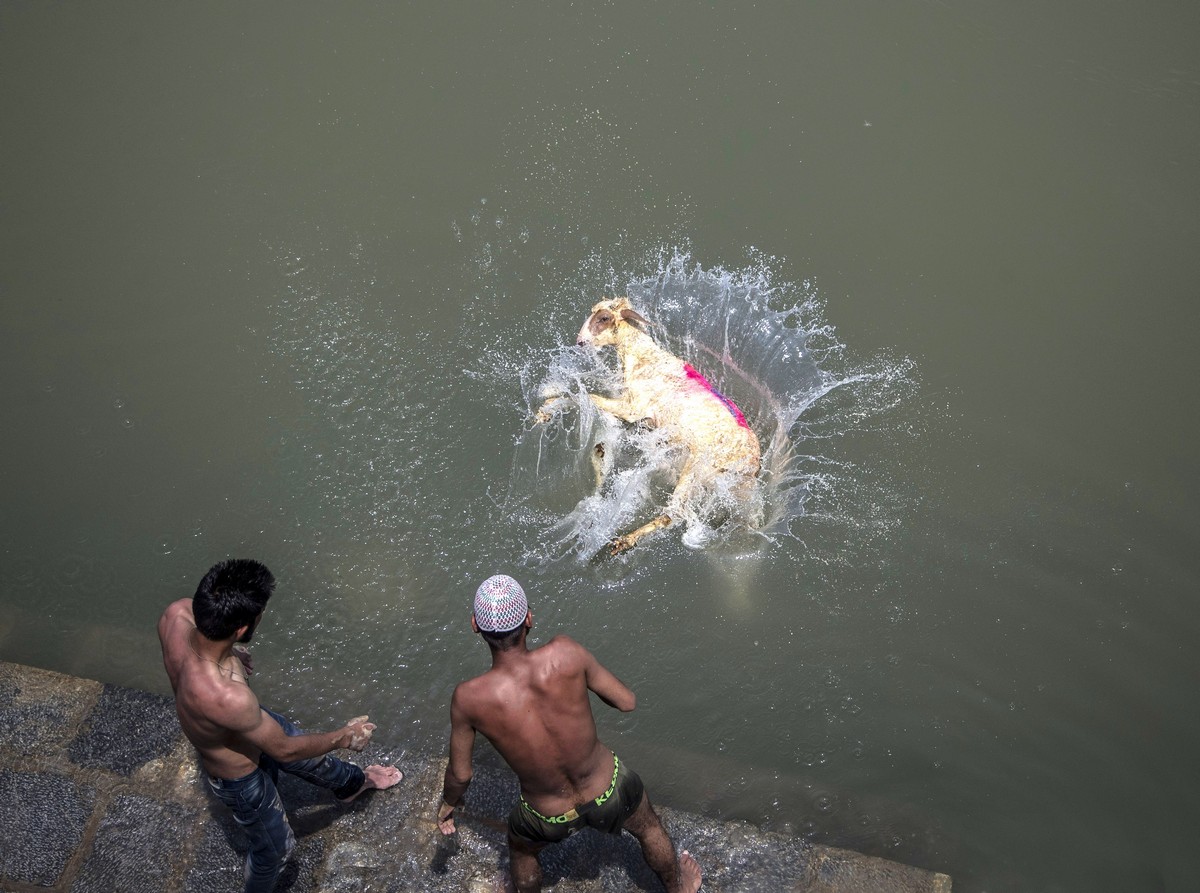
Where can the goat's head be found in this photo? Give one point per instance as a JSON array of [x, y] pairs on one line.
[[601, 326]]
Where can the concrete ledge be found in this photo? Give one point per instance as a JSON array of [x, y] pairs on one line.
[[102, 794]]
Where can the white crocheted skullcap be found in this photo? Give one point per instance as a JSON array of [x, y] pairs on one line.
[[500, 604]]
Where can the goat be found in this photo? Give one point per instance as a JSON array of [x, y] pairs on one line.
[[665, 392]]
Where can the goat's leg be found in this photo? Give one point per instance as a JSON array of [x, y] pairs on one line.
[[618, 408], [629, 540], [600, 463], [544, 413], [683, 487], [615, 406]]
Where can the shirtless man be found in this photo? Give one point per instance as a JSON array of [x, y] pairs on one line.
[[242, 745], [534, 708]]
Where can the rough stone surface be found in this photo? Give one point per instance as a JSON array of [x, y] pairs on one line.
[[216, 865], [42, 824], [38, 709], [135, 846], [839, 872], [102, 793], [219, 860], [382, 841], [125, 730]]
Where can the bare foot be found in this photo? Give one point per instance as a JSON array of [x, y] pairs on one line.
[[689, 874], [378, 778]]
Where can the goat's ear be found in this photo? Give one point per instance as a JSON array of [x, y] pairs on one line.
[[631, 315]]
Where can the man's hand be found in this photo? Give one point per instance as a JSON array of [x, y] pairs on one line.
[[360, 732], [445, 818], [243, 654]]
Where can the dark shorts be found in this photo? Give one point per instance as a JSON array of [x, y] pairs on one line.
[[607, 813]]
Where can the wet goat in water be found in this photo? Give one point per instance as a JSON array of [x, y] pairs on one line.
[[665, 392]]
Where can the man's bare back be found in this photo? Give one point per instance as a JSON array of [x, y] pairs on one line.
[[243, 747], [206, 691], [535, 710], [534, 706], [222, 717]]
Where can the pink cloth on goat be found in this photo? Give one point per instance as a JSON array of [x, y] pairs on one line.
[[695, 377]]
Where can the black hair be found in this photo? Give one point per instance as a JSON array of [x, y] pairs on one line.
[[505, 641], [232, 594]]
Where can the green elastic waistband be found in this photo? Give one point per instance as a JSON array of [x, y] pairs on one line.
[[572, 814]]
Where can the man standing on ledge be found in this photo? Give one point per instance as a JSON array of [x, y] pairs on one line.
[[534, 708], [242, 745]]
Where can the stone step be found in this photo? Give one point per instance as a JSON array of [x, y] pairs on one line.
[[102, 793]]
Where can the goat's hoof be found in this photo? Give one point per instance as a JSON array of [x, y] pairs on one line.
[[544, 413], [620, 544]]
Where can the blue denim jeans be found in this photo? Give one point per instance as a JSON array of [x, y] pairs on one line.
[[254, 801]]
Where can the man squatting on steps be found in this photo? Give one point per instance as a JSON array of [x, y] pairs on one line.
[[534, 708], [242, 745]]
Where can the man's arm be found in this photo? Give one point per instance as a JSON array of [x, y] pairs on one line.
[[611, 690], [247, 719], [458, 770]]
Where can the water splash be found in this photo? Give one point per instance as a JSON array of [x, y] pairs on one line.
[[761, 343]]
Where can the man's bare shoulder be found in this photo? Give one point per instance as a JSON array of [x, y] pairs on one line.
[[563, 649], [470, 691], [181, 609], [175, 613]]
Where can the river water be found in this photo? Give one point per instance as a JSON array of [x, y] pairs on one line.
[[288, 283]]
